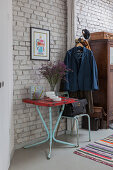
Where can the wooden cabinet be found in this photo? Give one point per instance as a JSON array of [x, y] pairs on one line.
[[103, 52]]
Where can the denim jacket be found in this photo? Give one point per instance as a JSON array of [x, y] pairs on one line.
[[84, 74]]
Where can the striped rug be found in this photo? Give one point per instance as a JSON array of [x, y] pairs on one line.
[[100, 151]]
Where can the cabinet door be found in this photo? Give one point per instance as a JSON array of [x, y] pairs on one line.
[[110, 84], [99, 48]]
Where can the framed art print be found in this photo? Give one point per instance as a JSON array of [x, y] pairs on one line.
[[40, 44]]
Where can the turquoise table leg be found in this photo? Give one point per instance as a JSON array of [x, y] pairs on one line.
[[45, 128], [58, 120], [51, 137]]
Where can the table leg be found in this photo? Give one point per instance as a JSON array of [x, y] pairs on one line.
[[58, 120], [50, 124], [58, 124], [45, 128]]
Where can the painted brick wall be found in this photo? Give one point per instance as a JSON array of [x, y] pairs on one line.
[[95, 15], [46, 14]]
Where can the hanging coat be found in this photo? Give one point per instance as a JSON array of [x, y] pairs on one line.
[[84, 74]]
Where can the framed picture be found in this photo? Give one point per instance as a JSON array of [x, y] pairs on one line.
[[40, 44]]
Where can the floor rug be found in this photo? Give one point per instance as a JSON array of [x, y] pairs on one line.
[[99, 151]]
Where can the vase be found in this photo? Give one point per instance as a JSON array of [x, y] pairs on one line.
[[52, 87]]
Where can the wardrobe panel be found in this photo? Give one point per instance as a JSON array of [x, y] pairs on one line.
[[110, 82], [99, 49], [103, 52]]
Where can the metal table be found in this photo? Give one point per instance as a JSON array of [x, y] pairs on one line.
[[50, 103]]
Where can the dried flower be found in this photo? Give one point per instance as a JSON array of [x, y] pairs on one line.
[[53, 72]]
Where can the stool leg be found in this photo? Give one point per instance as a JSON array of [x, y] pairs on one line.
[[72, 126], [89, 127], [77, 127], [76, 118]]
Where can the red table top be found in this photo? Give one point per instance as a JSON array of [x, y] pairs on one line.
[[49, 102]]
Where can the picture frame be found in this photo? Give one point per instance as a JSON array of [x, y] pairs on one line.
[[40, 44]]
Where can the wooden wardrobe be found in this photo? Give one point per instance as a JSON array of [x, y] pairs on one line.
[[103, 52]]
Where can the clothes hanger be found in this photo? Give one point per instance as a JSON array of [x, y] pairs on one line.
[[78, 43], [80, 46]]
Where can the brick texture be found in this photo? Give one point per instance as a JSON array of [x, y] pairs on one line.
[[46, 14], [94, 15]]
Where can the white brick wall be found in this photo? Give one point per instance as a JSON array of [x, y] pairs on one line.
[[46, 14], [95, 15]]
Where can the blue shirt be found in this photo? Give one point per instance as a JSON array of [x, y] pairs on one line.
[[84, 74]]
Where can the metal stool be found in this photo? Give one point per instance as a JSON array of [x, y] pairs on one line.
[[76, 118], [66, 94]]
